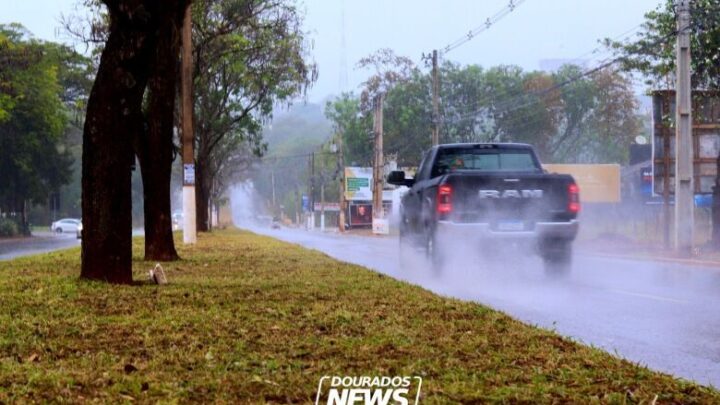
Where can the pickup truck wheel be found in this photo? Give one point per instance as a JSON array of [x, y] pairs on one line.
[[558, 260], [433, 254], [406, 249]]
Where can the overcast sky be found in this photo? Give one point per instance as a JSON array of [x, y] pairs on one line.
[[536, 30]]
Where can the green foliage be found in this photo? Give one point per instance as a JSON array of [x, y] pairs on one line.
[[653, 52], [33, 159], [568, 118], [250, 56], [407, 120], [354, 126], [8, 228]]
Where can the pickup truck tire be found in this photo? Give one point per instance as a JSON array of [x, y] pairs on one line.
[[433, 254], [406, 249], [557, 258]]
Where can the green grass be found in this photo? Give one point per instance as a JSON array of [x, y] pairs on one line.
[[250, 319]]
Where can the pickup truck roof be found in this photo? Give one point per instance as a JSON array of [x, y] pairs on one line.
[[503, 145]]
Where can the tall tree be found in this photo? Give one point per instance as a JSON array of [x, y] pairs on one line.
[[155, 147], [408, 110], [33, 119], [248, 55], [354, 126], [653, 52], [114, 120], [153, 144]]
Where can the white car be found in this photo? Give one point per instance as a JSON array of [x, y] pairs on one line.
[[69, 225], [177, 221]]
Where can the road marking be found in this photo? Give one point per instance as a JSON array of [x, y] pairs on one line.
[[650, 296]]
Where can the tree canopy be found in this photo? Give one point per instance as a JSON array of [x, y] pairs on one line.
[[567, 116], [41, 84], [653, 52], [249, 55]]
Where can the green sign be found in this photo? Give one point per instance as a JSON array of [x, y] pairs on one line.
[[356, 183]]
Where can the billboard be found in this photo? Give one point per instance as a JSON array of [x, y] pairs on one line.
[[360, 214], [358, 183], [599, 183]]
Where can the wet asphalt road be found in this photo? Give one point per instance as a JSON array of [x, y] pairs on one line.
[[665, 316], [41, 242]]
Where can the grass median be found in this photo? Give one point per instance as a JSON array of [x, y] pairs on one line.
[[250, 319]]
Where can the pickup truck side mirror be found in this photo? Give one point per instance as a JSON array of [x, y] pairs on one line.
[[398, 178]]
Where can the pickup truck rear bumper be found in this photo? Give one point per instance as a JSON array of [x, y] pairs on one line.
[[541, 230]]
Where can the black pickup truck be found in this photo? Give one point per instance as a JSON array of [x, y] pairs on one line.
[[485, 194]]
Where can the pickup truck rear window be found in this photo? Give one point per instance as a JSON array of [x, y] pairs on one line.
[[514, 160]]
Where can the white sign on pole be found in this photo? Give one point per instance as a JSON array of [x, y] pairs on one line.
[[189, 174], [381, 226]]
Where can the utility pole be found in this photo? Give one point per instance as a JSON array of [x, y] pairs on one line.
[[378, 161], [312, 191], [322, 204], [435, 99], [188, 154], [684, 185], [341, 169], [272, 180], [311, 194], [298, 206]]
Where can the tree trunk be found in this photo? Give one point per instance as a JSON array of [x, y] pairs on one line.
[[113, 118], [155, 148], [25, 231], [202, 197]]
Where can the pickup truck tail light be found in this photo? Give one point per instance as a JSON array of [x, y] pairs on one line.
[[444, 199], [573, 198]]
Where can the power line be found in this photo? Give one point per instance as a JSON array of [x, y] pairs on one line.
[[488, 23], [301, 155], [508, 106], [624, 36]]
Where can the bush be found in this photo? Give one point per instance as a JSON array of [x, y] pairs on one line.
[[8, 227]]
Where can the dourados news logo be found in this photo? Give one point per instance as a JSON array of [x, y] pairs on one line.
[[334, 390]]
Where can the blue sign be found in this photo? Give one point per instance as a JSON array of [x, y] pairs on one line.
[[646, 181], [703, 200], [305, 203]]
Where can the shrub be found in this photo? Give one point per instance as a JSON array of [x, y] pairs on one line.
[[8, 227]]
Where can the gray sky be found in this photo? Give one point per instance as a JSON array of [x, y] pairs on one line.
[[536, 30]]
